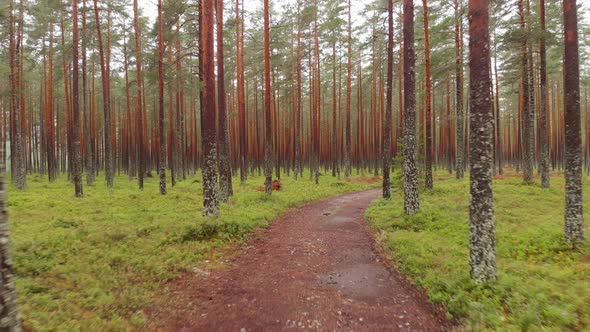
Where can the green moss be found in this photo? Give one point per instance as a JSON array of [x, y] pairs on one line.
[[95, 263], [543, 284]]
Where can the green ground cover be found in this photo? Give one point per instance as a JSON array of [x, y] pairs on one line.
[[95, 263], [543, 284]]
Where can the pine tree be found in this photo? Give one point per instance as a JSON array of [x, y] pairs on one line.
[[89, 161], [527, 98], [574, 215], [139, 83], [17, 147], [225, 178], [348, 134], [388, 116], [108, 143], [76, 146], [428, 82], [9, 315], [411, 198], [460, 140], [482, 224], [543, 139], [267, 103], [161, 131], [241, 97], [208, 125]]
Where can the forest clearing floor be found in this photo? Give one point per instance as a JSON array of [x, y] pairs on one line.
[[317, 267]]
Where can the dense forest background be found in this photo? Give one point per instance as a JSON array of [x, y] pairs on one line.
[[309, 39], [473, 117]]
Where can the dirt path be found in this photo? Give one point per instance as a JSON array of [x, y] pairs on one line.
[[315, 268]]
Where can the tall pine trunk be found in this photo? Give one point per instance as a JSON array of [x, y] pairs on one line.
[[527, 110], [224, 162], [460, 131], [411, 197], [543, 139], [241, 97], [334, 117], [138, 83], [482, 224], [9, 316], [267, 103], [77, 157], [208, 125], [19, 174], [348, 134], [90, 173], [428, 155], [389, 102], [299, 107], [574, 215], [108, 144], [161, 130]]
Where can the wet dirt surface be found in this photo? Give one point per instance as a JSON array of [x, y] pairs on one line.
[[316, 268]]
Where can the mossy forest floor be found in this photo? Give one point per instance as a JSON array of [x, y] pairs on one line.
[[96, 263], [543, 284]]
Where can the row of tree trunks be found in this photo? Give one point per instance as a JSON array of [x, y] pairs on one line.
[[18, 163]]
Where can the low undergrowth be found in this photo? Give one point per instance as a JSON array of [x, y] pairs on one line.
[[94, 263], [543, 284]]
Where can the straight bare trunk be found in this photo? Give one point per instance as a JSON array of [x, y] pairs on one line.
[[9, 315], [267, 103], [428, 155], [574, 214], [225, 178], [460, 131], [543, 139], [389, 102], [482, 224], [208, 125], [161, 130], [108, 143], [77, 157], [411, 196]]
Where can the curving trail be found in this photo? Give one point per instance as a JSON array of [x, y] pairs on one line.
[[316, 268]]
